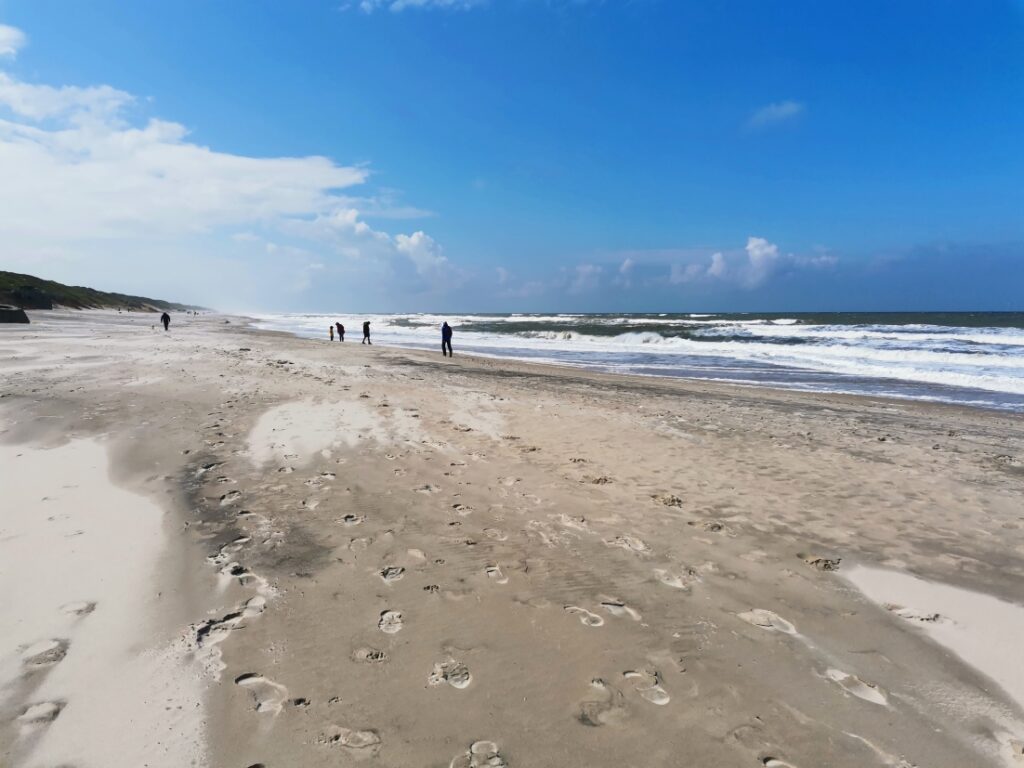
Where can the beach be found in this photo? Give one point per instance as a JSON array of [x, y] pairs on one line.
[[228, 546]]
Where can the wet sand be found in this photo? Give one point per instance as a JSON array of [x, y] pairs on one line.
[[381, 557]]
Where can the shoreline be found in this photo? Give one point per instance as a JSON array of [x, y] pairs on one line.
[[639, 381], [855, 359], [400, 559]]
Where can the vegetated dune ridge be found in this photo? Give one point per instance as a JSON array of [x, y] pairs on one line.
[[30, 292], [381, 557]]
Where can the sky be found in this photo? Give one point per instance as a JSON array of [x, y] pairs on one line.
[[518, 155]]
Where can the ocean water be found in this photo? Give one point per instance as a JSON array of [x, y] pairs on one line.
[[968, 358]]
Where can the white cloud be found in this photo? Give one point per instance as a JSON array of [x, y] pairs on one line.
[[425, 254], [762, 257], [369, 6], [718, 267], [777, 112], [750, 268], [12, 40], [40, 102], [81, 178]]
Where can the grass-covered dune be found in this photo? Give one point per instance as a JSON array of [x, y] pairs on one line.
[[30, 292]]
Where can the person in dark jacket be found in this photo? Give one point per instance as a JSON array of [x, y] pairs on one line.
[[166, 320], [341, 331], [446, 339], [366, 332]]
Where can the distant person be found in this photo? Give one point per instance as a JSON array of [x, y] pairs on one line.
[[166, 320], [366, 332], [331, 329], [446, 340], [341, 331]]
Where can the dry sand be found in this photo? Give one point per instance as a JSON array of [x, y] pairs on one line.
[[298, 553]]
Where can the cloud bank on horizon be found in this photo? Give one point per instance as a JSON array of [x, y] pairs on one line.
[[95, 189]]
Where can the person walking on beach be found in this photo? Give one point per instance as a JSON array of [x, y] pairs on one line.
[[330, 328], [341, 331], [446, 340], [366, 333], [166, 320]]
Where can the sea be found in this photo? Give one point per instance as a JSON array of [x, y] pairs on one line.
[[968, 358]]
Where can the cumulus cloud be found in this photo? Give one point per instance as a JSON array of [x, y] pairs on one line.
[[83, 180], [750, 268], [425, 254], [717, 267], [775, 113], [12, 40], [762, 257]]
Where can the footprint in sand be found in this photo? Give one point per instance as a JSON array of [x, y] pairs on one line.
[[44, 654], [859, 688], [462, 509], [207, 467], [369, 655], [578, 523], [351, 519], [390, 622], [711, 526], [392, 573], [668, 499], [495, 533], [598, 713], [80, 608], [230, 497], [494, 573], [769, 620], [267, 695], [212, 632], [821, 563], [617, 608], [587, 618], [428, 488], [245, 577], [681, 579], [41, 713], [455, 673], [631, 543], [481, 754], [774, 762], [360, 744], [648, 685]]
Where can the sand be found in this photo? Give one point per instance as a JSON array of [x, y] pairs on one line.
[[87, 675], [342, 555]]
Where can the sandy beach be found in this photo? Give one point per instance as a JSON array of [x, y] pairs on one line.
[[223, 547]]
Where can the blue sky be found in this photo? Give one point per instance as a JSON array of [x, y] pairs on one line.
[[516, 155]]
